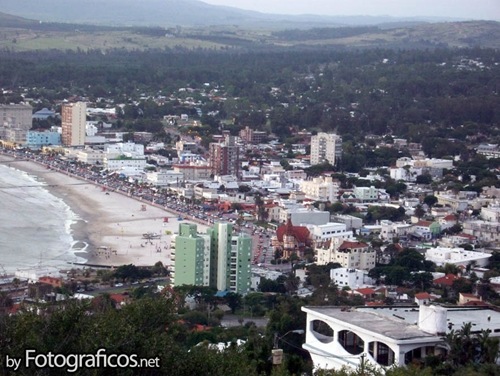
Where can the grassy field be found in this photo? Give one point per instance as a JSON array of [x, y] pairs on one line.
[[459, 34], [23, 40]]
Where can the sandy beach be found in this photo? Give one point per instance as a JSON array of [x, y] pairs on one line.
[[111, 223]]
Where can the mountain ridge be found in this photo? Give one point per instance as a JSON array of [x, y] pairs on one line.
[[186, 13]]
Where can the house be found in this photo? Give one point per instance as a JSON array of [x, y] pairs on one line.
[[446, 281], [52, 281], [381, 337], [466, 299], [352, 278], [367, 293], [426, 230], [448, 221], [422, 298]]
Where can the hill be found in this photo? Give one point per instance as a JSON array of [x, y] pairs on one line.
[[21, 34], [168, 13]]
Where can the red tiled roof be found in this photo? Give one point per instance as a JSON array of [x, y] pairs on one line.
[[423, 223], [447, 280], [450, 217], [467, 236], [423, 295], [300, 233], [365, 291]]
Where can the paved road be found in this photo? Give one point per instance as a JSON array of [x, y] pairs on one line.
[[230, 320]]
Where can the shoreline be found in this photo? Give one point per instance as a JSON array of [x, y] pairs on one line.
[[110, 223]]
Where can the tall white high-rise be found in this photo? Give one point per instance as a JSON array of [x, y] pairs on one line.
[[73, 123], [326, 147]]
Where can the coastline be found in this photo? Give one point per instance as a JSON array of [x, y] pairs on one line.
[[110, 223]]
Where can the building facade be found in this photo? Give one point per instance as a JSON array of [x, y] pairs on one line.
[[224, 157], [73, 123], [15, 121], [323, 234], [190, 257], [251, 136], [193, 171], [349, 254], [352, 278], [347, 338], [218, 258], [326, 147], [320, 189], [35, 139]]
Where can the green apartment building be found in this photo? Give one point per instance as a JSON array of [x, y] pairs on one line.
[[189, 253], [220, 258]]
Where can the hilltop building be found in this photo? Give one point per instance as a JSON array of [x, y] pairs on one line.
[[339, 337]]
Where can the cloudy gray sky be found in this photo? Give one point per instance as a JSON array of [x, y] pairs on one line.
[[468, 9]]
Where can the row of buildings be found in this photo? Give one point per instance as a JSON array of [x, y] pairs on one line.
[[17, 121]]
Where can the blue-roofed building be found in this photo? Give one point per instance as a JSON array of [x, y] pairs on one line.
[[43, 114]]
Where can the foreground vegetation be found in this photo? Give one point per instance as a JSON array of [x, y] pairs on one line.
[[152, 327]]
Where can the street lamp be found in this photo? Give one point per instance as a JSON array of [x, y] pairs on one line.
[[277, 353]]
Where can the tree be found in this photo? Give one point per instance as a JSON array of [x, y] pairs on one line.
[[131, 272], [233, 300], [422, 281], [466, 348], [397, 275], [430, 200], [424, 179], [419, 211]]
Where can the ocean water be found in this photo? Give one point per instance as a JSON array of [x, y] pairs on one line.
[[35, 227]]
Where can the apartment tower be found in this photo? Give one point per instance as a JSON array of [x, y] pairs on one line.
[[224, 157], [218, 258], [73, 121], [326, 148]]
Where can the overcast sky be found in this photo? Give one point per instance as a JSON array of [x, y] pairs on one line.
[[468, 9]]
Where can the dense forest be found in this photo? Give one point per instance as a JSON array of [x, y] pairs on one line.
[[419, 95]]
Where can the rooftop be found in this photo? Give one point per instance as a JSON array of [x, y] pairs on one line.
[[399, 323], [372, 319], [457, 316]]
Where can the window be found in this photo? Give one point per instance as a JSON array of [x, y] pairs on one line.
[[351, 342], [322, 331], [382, 353]]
